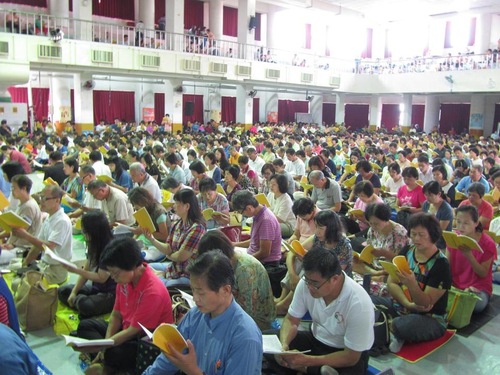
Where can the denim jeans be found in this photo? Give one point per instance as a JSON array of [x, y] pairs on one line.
[[482, 302], [412, 327], [168, 282]]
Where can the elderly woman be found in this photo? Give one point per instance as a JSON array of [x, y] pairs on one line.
[[281, 204], [231, 184], [317, 164], [267, 172]]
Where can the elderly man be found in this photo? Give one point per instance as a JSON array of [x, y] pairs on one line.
[[475, 175], [326, 193], [114, 202], [265, 235], [56, 234], [87, 175], [143, 179]]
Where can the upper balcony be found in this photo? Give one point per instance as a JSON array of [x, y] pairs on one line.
[[35, 42]]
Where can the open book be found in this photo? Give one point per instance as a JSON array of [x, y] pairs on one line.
[[144, 220], [121, 229], [272, 345], [50, 181], [103, 150], [365, 255], [350, 182], [188, 298], [295, 247], [57, 258], [356, 212], [165, 195], [166, 334], [454, 241], [399, 263], [262, 199], [4, 202], [81, 343], [167, 205], [495, 237], [209, 213], [105, 178], [221, 190], [460, 196], [11, 220], [349, 168]]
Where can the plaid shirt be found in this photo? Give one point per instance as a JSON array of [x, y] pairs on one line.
[[183, 237]]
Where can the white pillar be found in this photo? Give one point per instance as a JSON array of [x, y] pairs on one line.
[[174, 19], [483, 32], [246, 9], [58, 8], [431, 115], [82, 18], [216, 8], [271, 24], [59, 99], [147, 13], [407, 101], [340, 109], [316, 109], [244, 106], [476, 121], [173, 103], [375, 110], [84, 102]]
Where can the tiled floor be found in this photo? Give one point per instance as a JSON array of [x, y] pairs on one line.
[[477, 354]]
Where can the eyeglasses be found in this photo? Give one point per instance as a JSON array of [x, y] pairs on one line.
[[240, 211], [44, 198], [114, 274], [312, 284]]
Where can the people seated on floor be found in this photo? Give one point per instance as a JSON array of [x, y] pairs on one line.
[[305, 211], [475, 195], [281, 204], [342, 321], [221, 336], [181, 246], [410, 196], [121, 177], [140, 298], [87, 175], [115, 203], [471, 270], [93, 293], [326, 193], [209, 198], [29, 210], [255, 297], [265, 234], [72, 185], [55, 233], [417, 302], [279, 167], [365, 193], [139, 197], [231, 185], [141, 178]]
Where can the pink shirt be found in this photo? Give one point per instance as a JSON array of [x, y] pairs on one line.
[[19, 157], [461, 270], [265, 226], [359, 204], [413, 198], [485, 210], [306, 228]]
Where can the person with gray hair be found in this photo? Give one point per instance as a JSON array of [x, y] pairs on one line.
[[143, 179], [56, 234], [115, 202], [326, 193], [475, 175]]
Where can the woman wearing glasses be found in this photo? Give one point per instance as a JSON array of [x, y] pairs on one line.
[[181, 247]]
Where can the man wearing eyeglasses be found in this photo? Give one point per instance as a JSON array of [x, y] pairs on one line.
[[343, 317], [87, 175], [55, 233]]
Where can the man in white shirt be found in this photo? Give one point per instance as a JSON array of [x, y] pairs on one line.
[[295, 166], [115, 203], [424, 169], [342, 320], [142, 178], [255, 161], [55, 234], [100, 168]]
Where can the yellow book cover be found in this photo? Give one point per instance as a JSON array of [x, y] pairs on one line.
[[4, 202], [209, 213], [105, 178], [489, 198], [297, 248], [78, 224], [50, 181], [167, 205], [399, 263], [454, 241], [11, 220], [165, 195], [306, 186], [356, 212], [420, 182], [144, 220], [350, 182], [262, 199], [165, 335], [375, 166], [366, 254], [495, 237], [304, 180], [103, 150], [348, 168], [221, 190], [460, 196]]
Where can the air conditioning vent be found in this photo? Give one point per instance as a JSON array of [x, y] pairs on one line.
[[102, 56], [150, 61], [306, 77], [218, 68], [191, 65], [4, 48], [49, 52], [273, 73], [243, 70], [335, 82]]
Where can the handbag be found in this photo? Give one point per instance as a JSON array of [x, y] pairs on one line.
[[36, 302], [460, 307], [146, 355]]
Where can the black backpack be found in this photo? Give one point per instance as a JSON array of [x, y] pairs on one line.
[[381, 330]]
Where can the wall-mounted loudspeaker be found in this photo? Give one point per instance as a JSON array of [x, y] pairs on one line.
[[253, 23]]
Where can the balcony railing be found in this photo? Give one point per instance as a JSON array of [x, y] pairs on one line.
[[45, 25]]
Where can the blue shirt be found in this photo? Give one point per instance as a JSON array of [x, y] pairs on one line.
[[125, 180], [465, 182], [229, 344]]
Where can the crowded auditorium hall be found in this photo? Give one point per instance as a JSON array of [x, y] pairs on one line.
[[195, 187]]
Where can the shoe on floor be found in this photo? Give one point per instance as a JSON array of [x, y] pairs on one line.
[[327, 370], [395, 345]]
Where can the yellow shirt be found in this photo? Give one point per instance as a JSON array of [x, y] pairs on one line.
[[234, 160]]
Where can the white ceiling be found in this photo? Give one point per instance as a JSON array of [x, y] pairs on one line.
[[394, 10]]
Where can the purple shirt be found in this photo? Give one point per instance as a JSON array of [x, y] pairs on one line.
[[266, 227]]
